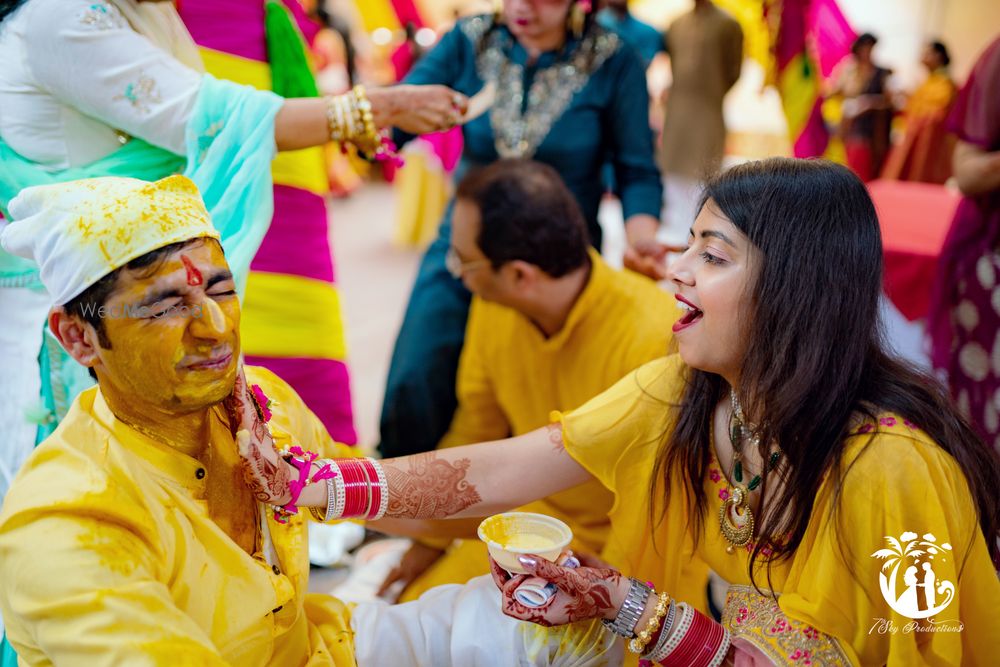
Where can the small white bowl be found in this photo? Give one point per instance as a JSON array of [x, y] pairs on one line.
[[512, 534]]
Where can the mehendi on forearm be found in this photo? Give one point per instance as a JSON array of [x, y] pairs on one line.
[[556, 437], [268, 481], [428, 487]]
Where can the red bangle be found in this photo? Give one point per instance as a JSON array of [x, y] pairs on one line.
[[375, 489], [368, 489], [700, 643], [356, 488]]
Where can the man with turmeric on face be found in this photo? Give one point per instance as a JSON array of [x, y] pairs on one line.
[[132, 536]]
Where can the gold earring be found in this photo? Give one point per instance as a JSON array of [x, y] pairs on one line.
[[577, 18]]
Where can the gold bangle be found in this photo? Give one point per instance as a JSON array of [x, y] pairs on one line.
[[341, 119], [335, 117], [638, 644], [349, 104], [368, 138]]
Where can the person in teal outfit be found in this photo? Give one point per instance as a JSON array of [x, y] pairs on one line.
[[565, 92], [644, 38]]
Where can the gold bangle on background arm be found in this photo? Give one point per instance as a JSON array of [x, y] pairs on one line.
[[334, 118]]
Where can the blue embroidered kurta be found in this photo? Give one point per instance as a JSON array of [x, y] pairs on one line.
[[608, 117], [589, 107]]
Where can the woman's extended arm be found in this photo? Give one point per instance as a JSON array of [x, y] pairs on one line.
[[302, 122], [475, 480], [105, 69], [641, 191], [482, 479], [977, 171]]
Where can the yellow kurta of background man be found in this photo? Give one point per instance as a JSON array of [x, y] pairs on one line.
[[511, 376]]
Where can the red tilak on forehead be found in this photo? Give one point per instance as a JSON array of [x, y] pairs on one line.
[[193, 274]]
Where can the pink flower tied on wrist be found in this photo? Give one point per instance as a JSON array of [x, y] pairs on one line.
[[263, 402], [585, 6], [302, 460]]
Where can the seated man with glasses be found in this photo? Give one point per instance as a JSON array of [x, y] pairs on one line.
[[551, 326]]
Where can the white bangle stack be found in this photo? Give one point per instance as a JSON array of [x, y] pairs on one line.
[[335, 495], [671, 639]]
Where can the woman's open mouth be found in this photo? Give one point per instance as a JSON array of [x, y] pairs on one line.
[[691, 314]]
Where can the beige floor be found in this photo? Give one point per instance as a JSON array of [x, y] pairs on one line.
[[374, 279]]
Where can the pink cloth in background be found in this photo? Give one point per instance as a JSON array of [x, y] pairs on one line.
[[231, 26], [319, 382], [406, 12], [308, 27], [831, 33], [447, 146], [297, 243], [792, 31], [813, 140], [402, 60]]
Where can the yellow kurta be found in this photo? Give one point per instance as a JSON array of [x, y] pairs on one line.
[[924, 152], [511, 376], [108, 555], [901, 485]]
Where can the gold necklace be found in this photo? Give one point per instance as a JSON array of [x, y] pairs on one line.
[[735, 516]]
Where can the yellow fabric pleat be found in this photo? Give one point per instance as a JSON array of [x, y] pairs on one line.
[[291, 316], [798, 94], [422, 191], [304, 169], [234, 68], [378, 14]]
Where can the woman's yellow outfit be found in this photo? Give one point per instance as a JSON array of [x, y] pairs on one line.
[[831, 608]]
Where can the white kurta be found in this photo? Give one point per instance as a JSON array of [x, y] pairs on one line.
[[462, 626], [53, 116]]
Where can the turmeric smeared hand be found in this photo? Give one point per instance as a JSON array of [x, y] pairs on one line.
[[266, 473]]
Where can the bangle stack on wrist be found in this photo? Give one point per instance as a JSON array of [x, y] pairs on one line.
[[350, 119], [657, 652], [359, 490], [695, 640]]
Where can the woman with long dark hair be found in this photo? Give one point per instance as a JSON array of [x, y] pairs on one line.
[[838, 490]]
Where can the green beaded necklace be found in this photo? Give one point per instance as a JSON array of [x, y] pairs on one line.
[[735, 516]]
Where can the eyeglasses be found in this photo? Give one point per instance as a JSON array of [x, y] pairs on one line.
[[457, 268]]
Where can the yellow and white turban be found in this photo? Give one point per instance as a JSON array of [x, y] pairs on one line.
[[80, 231]]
